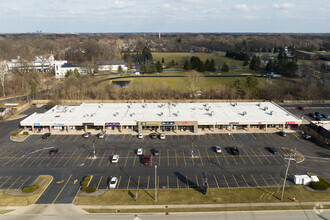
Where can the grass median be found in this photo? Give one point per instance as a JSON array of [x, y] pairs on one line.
[[15, 197], [194, 196]]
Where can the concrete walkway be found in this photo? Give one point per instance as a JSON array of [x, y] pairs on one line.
[[70, 209]]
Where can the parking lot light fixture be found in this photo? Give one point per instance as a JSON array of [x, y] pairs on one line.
[[94, 156], [156, 183]]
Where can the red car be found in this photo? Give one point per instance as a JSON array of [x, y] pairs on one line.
[[301, 108], [147, 160]]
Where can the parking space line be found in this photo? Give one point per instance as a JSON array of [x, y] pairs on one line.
[[78, 158], [51, 160], [130, 138], [264, 156], [216, 181], [197, 181], [171, 137], [192, 137], [205, 137], [134, 160], [178, 136], [168, 159], [123, 138], [226, 137], [119, 157], [264, 180], [245, 181], [192, 159], [24, 183], [216, 156], [185, 137], [14, 182], [176, 158], [199, 137], [74, 140], [5, 182], [159, 157], [225, 157], [208, 157], [256, 156], [275, 158], [138, 183], [9, 155], [242, 159], [218, 136], [254, 180], [69, 158], [118, 182], [4, 152], [168, 183], [253, 136], [129, 180], [99, 183], [274, 180], [26, 160], [187, 182], [13, 163], [60, 159], [234, 159], [148, 182], [62, 189], [125, 160], [41, 161], [36, 158], [236, 181], [211, 136], [184, 158], [226, 181], [200, 157], [11, 159]]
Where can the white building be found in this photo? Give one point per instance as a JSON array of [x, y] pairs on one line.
[[109, 65], [62, 66]]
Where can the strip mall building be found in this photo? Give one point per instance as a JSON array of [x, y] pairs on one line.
[[164, 117]]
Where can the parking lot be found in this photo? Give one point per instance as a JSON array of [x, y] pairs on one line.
[[321, 108]]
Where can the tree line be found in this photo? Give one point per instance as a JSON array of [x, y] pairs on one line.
[[195, 63]]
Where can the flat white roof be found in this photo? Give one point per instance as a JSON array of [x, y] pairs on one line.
[[130, 113]]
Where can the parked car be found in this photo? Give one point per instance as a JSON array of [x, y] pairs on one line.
[[234, 151], [153, 135], [140, 136], [101, 134], [217, 149], [147, 160], [301, 108], [113, 183], [115, 158], [324, 115], [311, 115], [87, 135], [282, 133], [53, 151], [45, 136], [156, 152], [139, 151], [162, 136], [308, 137], [318, 118], [273, 150]]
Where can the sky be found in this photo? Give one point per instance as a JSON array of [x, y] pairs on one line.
[[108, 16]]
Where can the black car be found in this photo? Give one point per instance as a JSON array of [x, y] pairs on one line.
[[282, 133], [45, 136], [234, 151], [156, 152], [273, 150], [153, 135], [311, 115], [53, 151]]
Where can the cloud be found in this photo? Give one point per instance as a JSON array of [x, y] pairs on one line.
[[283, 6], [241, 7]]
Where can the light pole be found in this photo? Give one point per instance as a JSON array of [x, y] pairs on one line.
[[192, 149], [93, 149], [286, 174], [156, 183]]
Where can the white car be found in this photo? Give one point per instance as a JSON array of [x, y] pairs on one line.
[[162, 136], [115, 158], [101, 135], [218, 149], [140, 136], [113, 183], [139, 151]]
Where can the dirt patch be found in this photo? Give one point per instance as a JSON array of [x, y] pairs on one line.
[[97, 193]]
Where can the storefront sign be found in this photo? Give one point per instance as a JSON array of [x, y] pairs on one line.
[[58, 124], [290, 122], [112, 124], [168, 122], [184, 123], [262, 123], [152, 123], [234, 123], [221, 123], [88, 124], [36, 124]]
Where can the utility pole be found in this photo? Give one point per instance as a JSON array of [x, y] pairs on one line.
[[93, 149], [156, 183], [286, 174], [192, 149]]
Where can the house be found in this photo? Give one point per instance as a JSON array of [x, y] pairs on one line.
[[111, 65], [305, 55], [61, 67], [43, 63]]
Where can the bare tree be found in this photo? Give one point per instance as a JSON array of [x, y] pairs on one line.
[[3, 72], [193, 80]]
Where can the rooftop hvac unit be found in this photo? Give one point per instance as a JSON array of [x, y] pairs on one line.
[[132, 114], [271, 112], [258, 104], [244, 113], [265, 108], [205, 105]]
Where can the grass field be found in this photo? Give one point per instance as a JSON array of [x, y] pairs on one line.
[[193, 196], [181, 57]]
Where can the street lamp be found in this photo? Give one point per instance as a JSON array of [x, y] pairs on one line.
[[156, 183], [192, 149], [93, 149], [286, 174]]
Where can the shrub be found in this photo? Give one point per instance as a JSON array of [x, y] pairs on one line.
[[25, 133], [84, 183], [90, 189], [15, 133], [30, 189], [87, 178], [319, 185]]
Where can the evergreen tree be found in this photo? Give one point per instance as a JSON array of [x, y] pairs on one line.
[[146, 55], [200, 66], [245, 63], [152, 69], [255, 63], [212, 65], [207, 65], [186, 65], [144, 68], [163, 60], [225, 67], [159, 67]]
